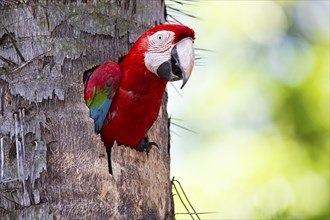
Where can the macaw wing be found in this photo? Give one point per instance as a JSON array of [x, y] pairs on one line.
[[101, 84]]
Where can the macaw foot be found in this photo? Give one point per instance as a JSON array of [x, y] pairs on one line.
[[109, 160], [145, 145]]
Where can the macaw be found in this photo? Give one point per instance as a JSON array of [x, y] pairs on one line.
[[124, 99]]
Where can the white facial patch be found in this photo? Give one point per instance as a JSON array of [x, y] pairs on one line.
[[154, 60], [159, 51]]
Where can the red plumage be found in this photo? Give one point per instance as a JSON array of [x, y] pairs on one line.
[[135, 106], [136, 103]]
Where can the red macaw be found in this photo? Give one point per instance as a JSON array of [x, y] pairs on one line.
[[124, 99]]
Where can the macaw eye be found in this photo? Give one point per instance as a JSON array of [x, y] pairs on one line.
[[160, 38]]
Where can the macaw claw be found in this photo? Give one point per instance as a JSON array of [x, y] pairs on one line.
[[145, 145]]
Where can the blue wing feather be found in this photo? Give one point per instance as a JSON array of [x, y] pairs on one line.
[[99, 114], [100, 86]]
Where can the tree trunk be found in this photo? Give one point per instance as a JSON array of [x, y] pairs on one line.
[[53, 165]]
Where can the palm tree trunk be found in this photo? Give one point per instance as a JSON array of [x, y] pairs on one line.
[[52, 164]]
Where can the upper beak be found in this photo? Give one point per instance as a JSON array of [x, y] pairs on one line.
[[181, 63]]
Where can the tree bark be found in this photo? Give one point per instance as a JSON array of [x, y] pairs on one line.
[[52, 164]]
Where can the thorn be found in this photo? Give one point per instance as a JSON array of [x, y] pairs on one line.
[[199, 213], [12, 200], [175, 20], [14, 44], [8, 180], [9, 62], [174, 181], [183, 12], [176, 89], [206, 50], [184, 128], [177, 119], [178, 2], [175, 133], [200, 58], [29, 61]]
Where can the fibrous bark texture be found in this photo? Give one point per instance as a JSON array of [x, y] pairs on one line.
[[52, 164]]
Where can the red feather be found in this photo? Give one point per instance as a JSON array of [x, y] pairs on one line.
[[137, 101], [136, 104]]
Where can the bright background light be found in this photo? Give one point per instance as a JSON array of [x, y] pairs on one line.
[[259, 107]]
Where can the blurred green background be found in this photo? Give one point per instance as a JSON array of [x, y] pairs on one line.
[[259, 107]]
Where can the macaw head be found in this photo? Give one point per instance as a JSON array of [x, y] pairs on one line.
[[169, 51]]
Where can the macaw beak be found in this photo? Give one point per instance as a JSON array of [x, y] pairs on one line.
[[181, 63]]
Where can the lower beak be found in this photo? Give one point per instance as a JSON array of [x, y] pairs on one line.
[[181, 63]]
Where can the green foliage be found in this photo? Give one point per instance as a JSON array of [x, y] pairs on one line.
[[260, 107]]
